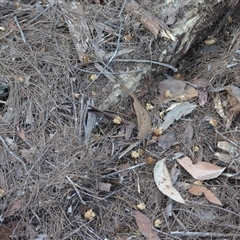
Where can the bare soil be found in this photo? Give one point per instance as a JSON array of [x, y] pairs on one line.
[[52, 174]]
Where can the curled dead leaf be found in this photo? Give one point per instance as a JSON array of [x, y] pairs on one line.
[[143, 117], [164, 183], [200, 170], [199, 190]]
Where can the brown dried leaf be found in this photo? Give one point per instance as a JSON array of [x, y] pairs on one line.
[[211, 197], [178, 91], [190, 92], [196, 190], [199, 190], [145, 226], [143, 118], [176, 87], [14, 207], [200, 170]]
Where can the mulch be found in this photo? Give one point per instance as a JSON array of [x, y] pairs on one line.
[[59, 183]]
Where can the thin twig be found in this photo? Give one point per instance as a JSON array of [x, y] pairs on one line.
[[83, 112], [147, 61], [202, 234], [19, 159], [2, 37], [74, 105], [167, 234], [39, 14], [123, 170], [102, 198], [213, 206], [76, 190], [235, 144], [20, 29], [128, 149]]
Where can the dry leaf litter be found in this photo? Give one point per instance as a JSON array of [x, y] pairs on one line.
[[82, 158]]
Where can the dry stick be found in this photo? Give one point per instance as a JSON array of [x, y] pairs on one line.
[[123, 170], [19, 27], [19, 159], [76, 190], [213, 206], [202, 234], [167, 234], [6, 34], [74, 105], [132, 167], [147, 61], [235, 144], [39, 14], [83, 113], [102, 198], [90, 193], [128, 149]]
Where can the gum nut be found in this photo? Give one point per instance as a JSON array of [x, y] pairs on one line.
[[141, 206], [117, 120], [135, 154], [89, 215], [150, 161], [157, 223]]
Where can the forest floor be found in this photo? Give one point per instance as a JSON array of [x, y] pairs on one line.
[[70, 169]]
